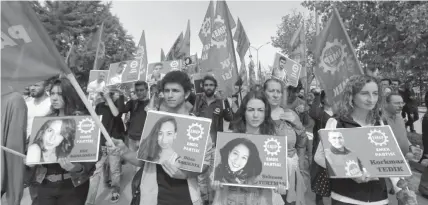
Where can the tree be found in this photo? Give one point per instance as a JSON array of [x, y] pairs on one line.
[[76, 21]]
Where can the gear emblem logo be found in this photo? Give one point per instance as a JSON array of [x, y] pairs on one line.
[[272, 147], [378, 138], [206, 27], [86, 125], [195, 132], [352, 169], [333, 56], [218, 38], [174, 65]]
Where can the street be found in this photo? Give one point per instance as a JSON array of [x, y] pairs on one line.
[[103, 197]]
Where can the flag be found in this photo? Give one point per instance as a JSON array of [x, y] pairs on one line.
[[185, 44], [142, 55], [298, 53], [222, 60], [261, 77], [252, 81], [205, 36], [174, 52], [162, 58], [97, 43], [335, 57], [243, 74], [28, 55], [243, 44]]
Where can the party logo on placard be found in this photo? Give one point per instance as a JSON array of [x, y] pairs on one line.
[[272, 147], [352, 168], [195, 132], [378, 137]]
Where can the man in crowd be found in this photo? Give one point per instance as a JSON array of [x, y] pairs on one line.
[[95, 87], [395, 83], [208, 106], [386, 85], [392, 109], [137, 116], [372, 71], [14, 122]]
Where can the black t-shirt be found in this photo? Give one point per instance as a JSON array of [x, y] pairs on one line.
[[170, 190], [114, 125], [137, 117]]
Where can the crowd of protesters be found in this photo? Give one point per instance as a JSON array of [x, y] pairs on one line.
[[272, 108]]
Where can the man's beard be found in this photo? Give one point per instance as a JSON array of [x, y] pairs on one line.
[[36, 95], [209, 93]]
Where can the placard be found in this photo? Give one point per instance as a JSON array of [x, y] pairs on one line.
[[351, 151], [178, 138], [96, 83], [75, 137], [156, 71], [127, 72], [286, 70], [251, 160]]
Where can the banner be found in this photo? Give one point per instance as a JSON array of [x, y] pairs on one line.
[[205, 36], [351, 151], [179, 138], [335, 58], [156, 71], [96, 84], [75, 137], [251, 160], [124, 72], [286, 70], [28, 54]]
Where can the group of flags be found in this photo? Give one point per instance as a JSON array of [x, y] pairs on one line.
[[29, 55]]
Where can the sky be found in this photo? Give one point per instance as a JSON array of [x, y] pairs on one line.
[[163, 21]]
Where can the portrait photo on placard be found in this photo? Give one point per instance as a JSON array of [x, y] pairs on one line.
[[124, 72], [286, 69], [73, 137], [156, 71], [250, 160], [351, 152], [175, 138], [96, 84]]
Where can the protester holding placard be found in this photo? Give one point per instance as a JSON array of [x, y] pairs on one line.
[[64, 182], [287, 123], [165, 183], [359, 107], [254, 118]]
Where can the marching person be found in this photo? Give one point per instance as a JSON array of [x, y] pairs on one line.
[[287, 123], [254, 118], [359, 107], [64, 183], [165, 184]]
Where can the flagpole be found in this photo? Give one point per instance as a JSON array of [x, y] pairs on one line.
[[69, 53], [13, 152], [317, 32], [91, 110], [98, 47]]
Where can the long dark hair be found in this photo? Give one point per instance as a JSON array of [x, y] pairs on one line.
[[73, 105], [267, 127], [150, 149], [252, 169], [68, 131]]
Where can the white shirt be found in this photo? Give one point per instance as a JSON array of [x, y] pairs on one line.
[[94, 86], [40, 110]]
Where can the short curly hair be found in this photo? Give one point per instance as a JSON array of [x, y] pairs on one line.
[[179, 77]]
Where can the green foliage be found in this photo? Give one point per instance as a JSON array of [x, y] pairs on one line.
[[76, 21]]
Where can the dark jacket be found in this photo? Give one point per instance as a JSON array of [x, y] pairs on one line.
[[137, 117], [368, 192]]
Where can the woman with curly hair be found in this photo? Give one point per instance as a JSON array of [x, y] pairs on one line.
[[359, 107], [63, 183], [287, 123], [54, 140], [157, 146], [254, 118], [240, 162]]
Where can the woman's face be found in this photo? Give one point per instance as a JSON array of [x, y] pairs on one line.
[[57, 100], [52, 136], [274, 93], [255, 113], [367, 98], [166, 135], [238, 157]]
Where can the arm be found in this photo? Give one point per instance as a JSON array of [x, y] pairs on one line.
[[131, 157], [319, 156], [227, 112], [207, 161], [111, 105], [127, 107]]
